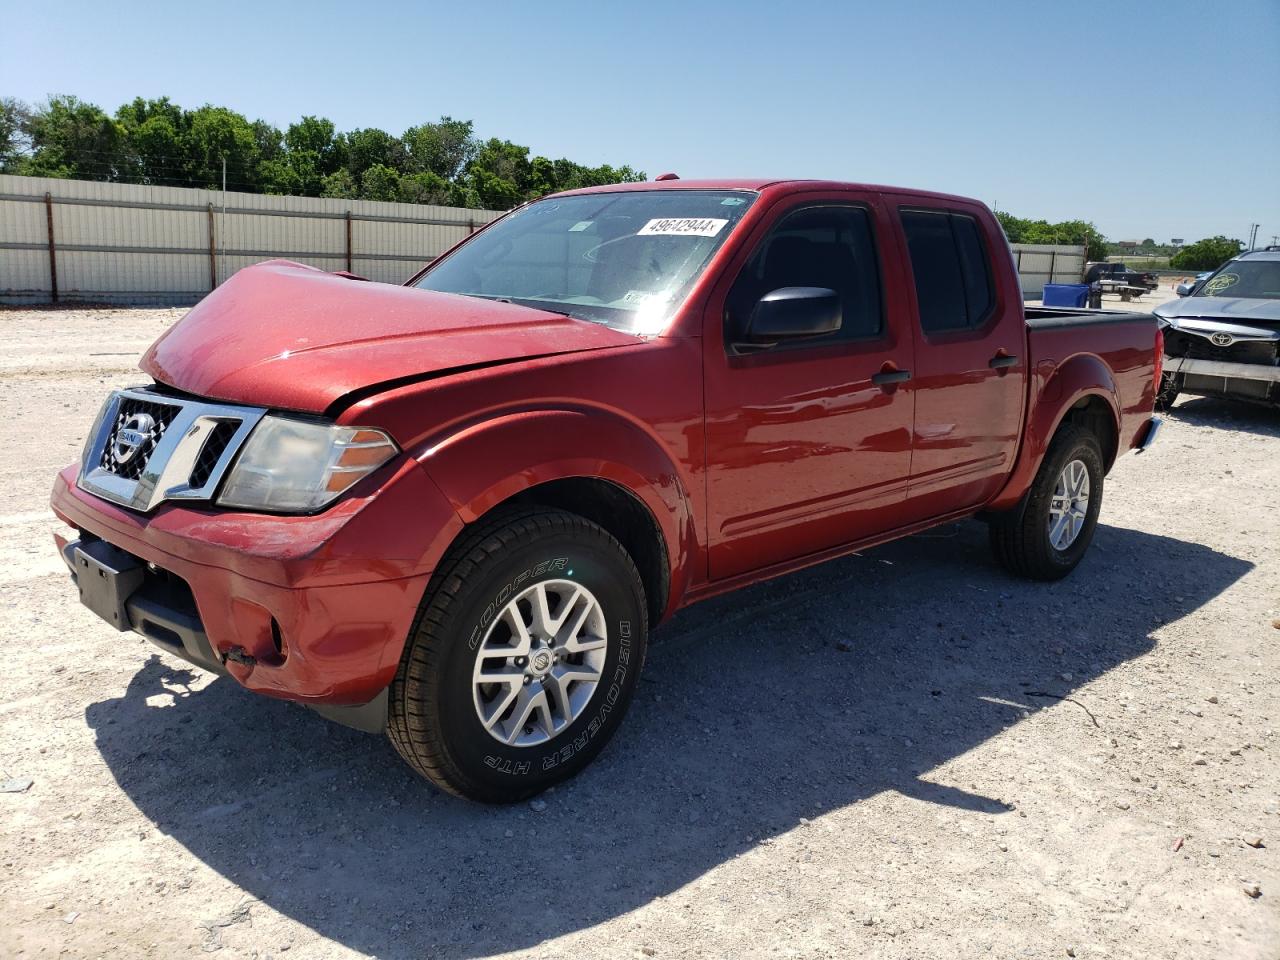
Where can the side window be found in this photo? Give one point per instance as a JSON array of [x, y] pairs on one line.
[[951, 269], [829, 247]]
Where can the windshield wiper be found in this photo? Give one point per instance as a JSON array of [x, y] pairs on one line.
[[522, 302]]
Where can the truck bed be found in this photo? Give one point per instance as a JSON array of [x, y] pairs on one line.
[[1047, 318], [1066, 343]]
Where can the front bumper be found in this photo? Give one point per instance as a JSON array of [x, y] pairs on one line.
[[308, 608], [1222, 368]]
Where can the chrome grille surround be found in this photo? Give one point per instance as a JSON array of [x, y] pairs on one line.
[[171, 466]]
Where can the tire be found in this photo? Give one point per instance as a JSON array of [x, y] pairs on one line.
[[435, 712], [1168, 391], [1022, 540]]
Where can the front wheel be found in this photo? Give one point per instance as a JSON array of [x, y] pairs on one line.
[[1047, 537], [523, 658], [1168, 391]]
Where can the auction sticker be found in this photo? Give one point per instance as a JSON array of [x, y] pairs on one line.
[[682, 227]]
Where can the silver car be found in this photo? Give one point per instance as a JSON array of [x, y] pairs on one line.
[[1222, 337]]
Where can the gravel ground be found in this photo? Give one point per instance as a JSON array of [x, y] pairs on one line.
[[898, 754]]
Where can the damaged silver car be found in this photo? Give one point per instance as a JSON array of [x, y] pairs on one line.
[[1222, 336]]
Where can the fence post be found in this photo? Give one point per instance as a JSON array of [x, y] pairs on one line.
[[349, 270], [1053, 263], [213, 256], [53, 254], [471, 225]]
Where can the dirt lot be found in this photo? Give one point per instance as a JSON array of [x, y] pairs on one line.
[[900, 754]]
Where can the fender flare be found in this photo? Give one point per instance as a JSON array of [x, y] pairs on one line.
[[1057, 390], [485, 463]]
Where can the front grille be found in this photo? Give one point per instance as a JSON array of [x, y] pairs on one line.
[[146, 418], [212, 452], [148, 448], [1180, 344]]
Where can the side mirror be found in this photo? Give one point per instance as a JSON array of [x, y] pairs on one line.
[[792, 313], [1184, 289]]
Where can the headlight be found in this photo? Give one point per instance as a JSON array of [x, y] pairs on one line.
[[297, 466]]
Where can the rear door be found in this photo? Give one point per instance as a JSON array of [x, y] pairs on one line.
[[804, 450], [970, 355]]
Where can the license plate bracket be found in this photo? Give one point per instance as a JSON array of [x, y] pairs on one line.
[[107, 576]]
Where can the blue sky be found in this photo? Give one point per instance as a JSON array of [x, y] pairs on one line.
[[1151, 119]]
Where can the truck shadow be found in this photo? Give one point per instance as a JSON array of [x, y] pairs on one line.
[[757, 711]]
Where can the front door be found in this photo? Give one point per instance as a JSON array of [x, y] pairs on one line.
[[805, 451]]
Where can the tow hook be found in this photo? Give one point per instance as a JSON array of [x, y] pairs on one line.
[[239, 656]]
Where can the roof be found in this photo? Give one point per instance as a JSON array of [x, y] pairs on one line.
[[1267, 254], [759, 184]]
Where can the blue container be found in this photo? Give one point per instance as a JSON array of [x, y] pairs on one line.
[[1065, 295]]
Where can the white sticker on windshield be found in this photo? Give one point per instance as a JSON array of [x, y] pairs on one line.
[[580, 226], [638, 297], [682, 227]]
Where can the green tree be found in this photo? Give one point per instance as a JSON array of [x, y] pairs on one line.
[[444, 148], [313, 137], [14, 140], [340, 184], [71, 138], [1207, 254], [426, 188], [380, 183], [158, 141], [278, 177], [370, 146], [269, 139], [154, 145], [215, 134], [1041, 231]]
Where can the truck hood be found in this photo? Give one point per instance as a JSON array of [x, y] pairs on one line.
[[288, 336], [1229, 309]]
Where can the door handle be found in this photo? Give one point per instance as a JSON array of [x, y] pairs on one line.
[[885, 377], [1002, 361]]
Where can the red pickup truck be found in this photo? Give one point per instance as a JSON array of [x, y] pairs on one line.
[[453, 509]]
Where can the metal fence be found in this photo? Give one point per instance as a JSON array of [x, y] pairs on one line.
[[80, 240], [77, 240], [1041, 263]]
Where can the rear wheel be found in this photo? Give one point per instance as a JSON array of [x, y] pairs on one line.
[[523, 658], [1048, 535]]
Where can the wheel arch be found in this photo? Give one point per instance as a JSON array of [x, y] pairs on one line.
[[587, 462], [1081, 390]]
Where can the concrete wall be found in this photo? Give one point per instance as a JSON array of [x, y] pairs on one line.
[[116, 242]]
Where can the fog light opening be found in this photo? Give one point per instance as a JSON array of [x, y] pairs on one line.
[[277, 640]]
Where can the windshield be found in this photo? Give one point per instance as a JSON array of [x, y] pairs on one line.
[[1254, 279], [623, 259]]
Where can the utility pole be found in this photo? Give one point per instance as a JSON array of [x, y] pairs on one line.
[[224, 216], [1253, 235]]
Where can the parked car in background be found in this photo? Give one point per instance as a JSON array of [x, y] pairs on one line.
[[1222, 337], [451, 510], [1118, 278]]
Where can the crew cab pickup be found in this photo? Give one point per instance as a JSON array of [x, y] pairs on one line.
[[452, 510]]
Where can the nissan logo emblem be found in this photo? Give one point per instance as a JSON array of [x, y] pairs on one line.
[[133, 433]]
